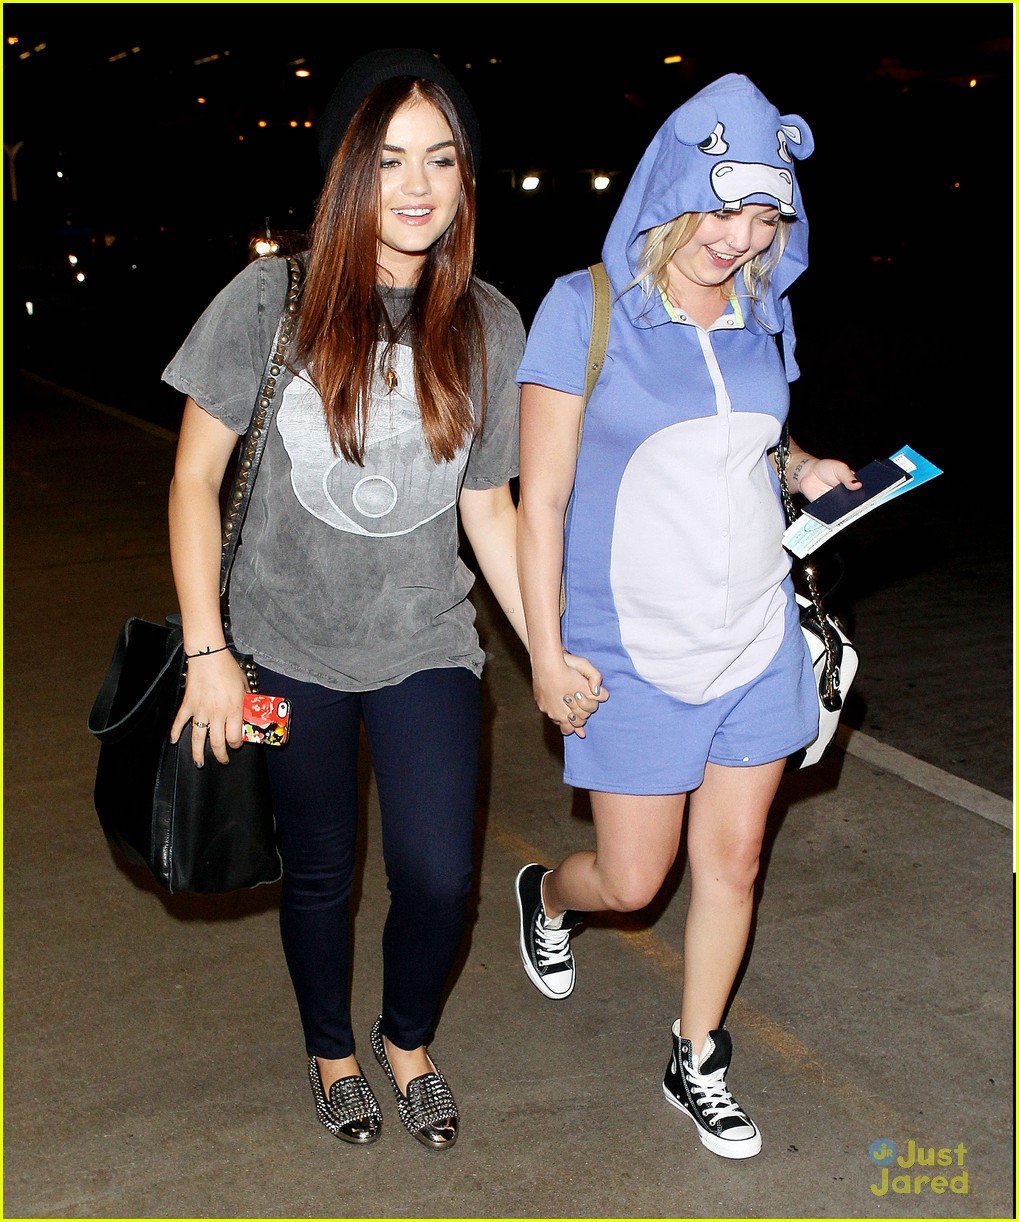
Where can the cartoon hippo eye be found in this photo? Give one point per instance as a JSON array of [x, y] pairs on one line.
[[783, 147], [714, 145]]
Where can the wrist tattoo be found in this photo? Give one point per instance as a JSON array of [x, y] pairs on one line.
[[797, 471]]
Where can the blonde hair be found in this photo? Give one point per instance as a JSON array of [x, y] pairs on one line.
[[662, 242]]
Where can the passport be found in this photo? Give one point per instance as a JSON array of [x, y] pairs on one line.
[[839, 505]]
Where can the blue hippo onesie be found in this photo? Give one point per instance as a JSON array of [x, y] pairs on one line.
[[677, 585]]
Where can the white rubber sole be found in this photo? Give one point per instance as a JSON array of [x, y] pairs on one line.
[[532, 975], [744, 1148]]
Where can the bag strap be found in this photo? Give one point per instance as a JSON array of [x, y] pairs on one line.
[[598, 343], [253, 445], [829, 688], [99, 717]]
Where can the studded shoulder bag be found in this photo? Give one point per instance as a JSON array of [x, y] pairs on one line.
[[206, 829]]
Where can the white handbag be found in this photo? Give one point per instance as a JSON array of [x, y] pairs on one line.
[[846, 663]]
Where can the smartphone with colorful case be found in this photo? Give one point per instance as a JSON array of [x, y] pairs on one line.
[[266, 719]]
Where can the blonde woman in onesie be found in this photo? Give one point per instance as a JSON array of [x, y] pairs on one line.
[[666, 527]]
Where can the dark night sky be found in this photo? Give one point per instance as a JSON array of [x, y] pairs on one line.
[[885, 88]]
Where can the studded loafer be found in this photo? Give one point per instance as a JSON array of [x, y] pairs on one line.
[[350, 1111], [428, 1109]]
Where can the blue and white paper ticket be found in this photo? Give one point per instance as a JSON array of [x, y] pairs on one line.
[[918, 468]]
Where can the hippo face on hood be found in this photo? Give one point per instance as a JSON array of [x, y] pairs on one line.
[[726, 147]]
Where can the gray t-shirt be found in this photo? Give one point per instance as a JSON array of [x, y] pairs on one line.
[[349, 576]]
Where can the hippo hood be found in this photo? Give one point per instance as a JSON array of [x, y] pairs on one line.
[[725, 147]]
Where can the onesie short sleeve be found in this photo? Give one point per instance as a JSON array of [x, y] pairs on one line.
[[556, 352], [495, 455], [221, 361]]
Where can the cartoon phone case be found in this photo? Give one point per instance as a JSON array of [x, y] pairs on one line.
[[266, 719]]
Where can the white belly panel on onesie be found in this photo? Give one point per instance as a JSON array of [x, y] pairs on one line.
[[696, 564]]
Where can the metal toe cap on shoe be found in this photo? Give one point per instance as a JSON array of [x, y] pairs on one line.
[[360, 1132], [440, 1135]]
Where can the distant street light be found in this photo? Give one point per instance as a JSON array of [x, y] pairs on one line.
[[601, 182], [530, 182]]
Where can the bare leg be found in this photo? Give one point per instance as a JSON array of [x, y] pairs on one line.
[[636, 839], [727, 820], [332, 1070], [407, 1065]]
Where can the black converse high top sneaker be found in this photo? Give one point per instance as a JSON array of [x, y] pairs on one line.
[[544, 945], [696, 1085]]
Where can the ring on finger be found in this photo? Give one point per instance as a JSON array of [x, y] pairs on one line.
[[200, 725]]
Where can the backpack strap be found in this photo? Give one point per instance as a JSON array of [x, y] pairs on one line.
[[599, 341], [598, 344]]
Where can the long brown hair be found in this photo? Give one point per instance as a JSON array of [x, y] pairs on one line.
[[342, 315]]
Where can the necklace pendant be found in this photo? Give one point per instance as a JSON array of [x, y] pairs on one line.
[[390, 378]]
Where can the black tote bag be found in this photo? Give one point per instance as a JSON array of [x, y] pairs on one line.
[[207, 829], [203, 830]]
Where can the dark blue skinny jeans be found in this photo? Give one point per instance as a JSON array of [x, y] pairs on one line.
[[423, 736]]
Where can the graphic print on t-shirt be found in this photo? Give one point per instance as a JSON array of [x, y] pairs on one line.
[[400, 486]]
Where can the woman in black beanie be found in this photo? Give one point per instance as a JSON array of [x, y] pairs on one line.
[[398, 406]]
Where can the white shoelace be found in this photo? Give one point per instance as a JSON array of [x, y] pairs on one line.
[[552, 945], [713, 1097]]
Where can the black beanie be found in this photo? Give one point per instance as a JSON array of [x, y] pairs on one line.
[[372, 69]]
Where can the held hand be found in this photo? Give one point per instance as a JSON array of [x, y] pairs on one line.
[[820, 474], [568, 692], [213, 703]]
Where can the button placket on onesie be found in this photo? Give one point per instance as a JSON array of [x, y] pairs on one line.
[[723, 409]]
